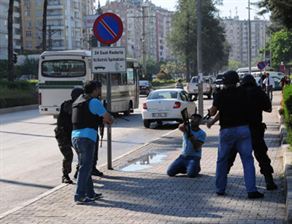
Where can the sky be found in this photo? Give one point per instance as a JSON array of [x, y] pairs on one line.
[[228, 8]]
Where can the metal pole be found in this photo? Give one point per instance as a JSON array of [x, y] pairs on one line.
[[249, 39], [270, 49], [109, 127], [265, 30], [144, 41], [199, 57]]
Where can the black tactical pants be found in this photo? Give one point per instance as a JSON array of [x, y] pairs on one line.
[[65, 146], [259, 147], [95, 156]]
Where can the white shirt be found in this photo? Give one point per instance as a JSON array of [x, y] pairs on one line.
[[269, 81]]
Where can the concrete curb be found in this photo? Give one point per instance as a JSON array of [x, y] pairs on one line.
[[18, 108]]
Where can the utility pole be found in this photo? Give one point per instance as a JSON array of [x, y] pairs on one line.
[[50, 37], [249, 39], [44, 33], [144, 41], [199, 57]]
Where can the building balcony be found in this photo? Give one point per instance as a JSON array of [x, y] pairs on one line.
[[57, 27], [16, 37], [16, 26], [58, 37], [52, 17], [55, 6]]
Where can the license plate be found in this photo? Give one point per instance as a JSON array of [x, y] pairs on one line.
[[159, 114]]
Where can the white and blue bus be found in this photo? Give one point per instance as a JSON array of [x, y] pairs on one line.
[[60, 71]]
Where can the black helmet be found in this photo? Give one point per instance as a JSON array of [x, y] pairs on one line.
[[90, 86], [230, 78], [76, 92], [248, 80]]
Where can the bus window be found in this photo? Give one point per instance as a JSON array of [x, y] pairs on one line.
[[130, 76], [124, 78], [116, 79], [63, 68]]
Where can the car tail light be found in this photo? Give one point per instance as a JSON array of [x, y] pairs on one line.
[[177, 105], [40, 99], [145, 106]]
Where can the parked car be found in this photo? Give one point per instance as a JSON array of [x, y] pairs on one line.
[[166, 105], [192, 86], [219, 81], [144, 87], [277, 81]]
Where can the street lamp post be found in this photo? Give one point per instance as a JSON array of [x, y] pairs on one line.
[[249, 39], [199, 57]]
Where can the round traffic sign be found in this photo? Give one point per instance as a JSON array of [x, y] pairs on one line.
[[261, 65], [108, 28]]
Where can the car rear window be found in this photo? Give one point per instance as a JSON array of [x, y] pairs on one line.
[[219, 77], [163, 95], [194, 80]]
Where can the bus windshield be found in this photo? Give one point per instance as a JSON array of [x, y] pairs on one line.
[[63, 68]]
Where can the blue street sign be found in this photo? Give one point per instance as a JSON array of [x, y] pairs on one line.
[[108, 28]]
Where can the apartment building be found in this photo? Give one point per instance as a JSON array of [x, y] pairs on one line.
[[236, 32], [135, 15], [4, 5], [163, 27], [65, 26]]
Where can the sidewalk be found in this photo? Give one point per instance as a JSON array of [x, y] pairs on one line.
[[138, 190]]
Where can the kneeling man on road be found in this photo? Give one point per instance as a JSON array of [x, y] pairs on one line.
[[189, 160]]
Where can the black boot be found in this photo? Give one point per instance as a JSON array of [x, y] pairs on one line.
[[96, 172], [76, 172], [270, 185], [66, 179], [255, 194]]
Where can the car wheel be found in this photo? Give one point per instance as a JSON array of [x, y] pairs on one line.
[[146, 123], [159, 123]]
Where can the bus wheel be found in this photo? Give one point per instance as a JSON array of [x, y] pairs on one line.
[[146, 123], [127, 112]]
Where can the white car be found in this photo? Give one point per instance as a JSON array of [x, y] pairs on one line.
[[192, 86], [166, 105]]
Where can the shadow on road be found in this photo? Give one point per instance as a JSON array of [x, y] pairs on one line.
[[26, 184]]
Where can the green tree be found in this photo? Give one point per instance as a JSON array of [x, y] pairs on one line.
[[280, 12], [183, 38], [152, 67], [29, 67], [233, 64], [10, 41], [281, 46]]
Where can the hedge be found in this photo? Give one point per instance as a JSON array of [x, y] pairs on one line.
[[287, 99], [17, 93]]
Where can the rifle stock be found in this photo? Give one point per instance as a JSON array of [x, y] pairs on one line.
[[185, 117], [101, 132]]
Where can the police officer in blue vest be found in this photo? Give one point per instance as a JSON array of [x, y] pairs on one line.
[[86, 115]]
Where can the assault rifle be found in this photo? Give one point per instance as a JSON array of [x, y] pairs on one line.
[[185, 117], [101, 133]]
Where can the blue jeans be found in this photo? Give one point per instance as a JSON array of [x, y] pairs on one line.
[[185, 164], [239, 138], [85, 149]]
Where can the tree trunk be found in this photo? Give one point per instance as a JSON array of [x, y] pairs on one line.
[[10, 41], [45, 25]]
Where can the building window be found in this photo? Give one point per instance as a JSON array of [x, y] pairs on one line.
[[28, 33]]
